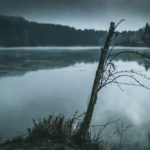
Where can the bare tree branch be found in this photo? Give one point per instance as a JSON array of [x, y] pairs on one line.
[[114, 121], [119, 23]]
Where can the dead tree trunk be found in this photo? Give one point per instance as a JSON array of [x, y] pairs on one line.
[[84, 127]]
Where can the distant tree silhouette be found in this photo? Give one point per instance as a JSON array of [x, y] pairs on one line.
[[16, 31], [146, 35]]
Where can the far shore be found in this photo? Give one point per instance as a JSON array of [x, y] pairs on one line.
[[67, 47]]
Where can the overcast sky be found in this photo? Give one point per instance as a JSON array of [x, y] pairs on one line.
[[82, 14]]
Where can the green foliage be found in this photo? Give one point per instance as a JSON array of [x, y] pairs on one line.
[[54, 129], [54, 133], [134, 38], [16, 31], [146, 35]]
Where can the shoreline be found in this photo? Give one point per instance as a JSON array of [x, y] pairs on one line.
[[68, 47]]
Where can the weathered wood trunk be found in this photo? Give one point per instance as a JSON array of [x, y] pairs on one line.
[[84, 127]]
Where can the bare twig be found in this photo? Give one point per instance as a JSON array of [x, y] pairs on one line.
[[120, 129], [119, 23], [114, 121]]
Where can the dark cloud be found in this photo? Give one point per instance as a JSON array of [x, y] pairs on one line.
[[81, 13]]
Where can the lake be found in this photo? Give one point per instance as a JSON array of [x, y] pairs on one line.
[[38, 81]]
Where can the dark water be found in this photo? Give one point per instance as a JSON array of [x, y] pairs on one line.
[[35, 82]]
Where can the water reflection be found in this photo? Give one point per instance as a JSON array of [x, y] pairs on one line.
[[64, 86], [18, 62]]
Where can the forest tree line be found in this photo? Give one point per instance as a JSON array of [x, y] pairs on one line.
[[16, 31]]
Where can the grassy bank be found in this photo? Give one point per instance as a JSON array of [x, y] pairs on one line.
[[53, 133], [59, 133]]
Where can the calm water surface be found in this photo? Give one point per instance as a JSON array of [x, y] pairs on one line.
[[36, 82]]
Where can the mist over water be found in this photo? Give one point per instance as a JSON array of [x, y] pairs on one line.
[[60, 82]]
